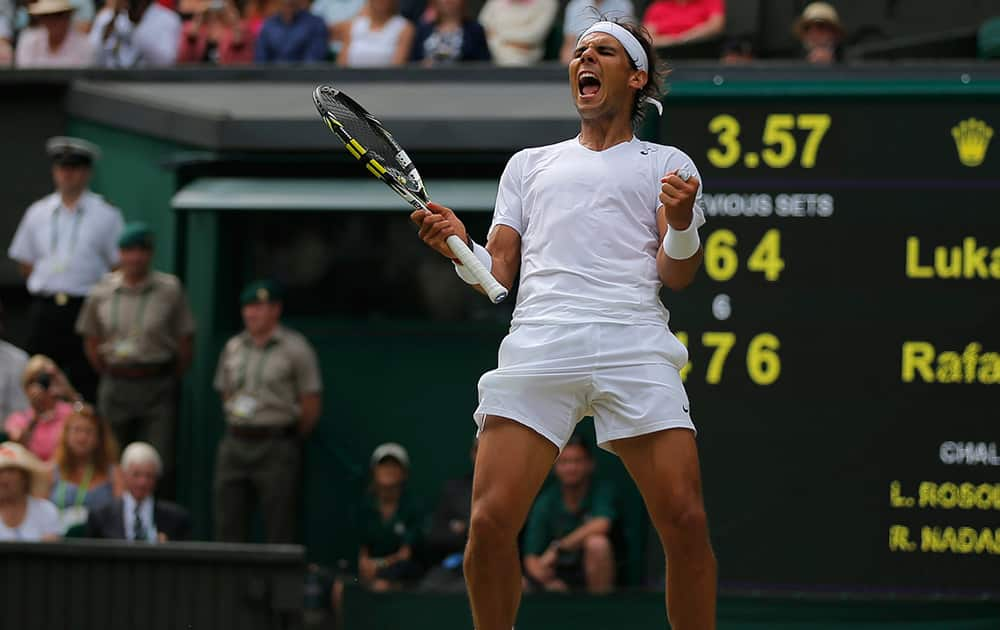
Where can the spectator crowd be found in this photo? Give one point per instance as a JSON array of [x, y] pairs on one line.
[[105, 327], [364, 33]]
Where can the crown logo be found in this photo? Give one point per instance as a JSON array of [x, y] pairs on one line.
[[972, 139]]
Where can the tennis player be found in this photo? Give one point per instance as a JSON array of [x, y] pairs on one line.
[[594, 225]]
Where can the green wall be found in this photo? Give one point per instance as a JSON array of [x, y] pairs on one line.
[[131, 175]]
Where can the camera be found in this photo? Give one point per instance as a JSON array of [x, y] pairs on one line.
[[43, 380]]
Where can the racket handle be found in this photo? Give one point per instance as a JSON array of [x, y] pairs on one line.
[[486, 280]]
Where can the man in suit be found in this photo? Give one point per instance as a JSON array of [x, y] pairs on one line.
[[137, 515]]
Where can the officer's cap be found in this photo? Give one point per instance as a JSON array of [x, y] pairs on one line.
[[261, 291], [136, 234], [68, 151]]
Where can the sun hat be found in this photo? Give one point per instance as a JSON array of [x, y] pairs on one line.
[[14, 455]]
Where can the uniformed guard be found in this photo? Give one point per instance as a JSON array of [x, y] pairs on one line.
[[138, 333], [65, 243], [270, 384]]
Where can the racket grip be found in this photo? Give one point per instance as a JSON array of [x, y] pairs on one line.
[[486, 280]]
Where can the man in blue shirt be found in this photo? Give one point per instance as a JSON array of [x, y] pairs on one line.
[[292, 34]]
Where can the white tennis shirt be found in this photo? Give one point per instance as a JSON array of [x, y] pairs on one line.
[[587, 221]]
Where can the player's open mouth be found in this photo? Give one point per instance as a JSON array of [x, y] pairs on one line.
[[587, 83]]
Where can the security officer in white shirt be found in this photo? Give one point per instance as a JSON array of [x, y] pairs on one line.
[[65, 243]]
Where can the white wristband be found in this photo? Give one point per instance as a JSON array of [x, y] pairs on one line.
[[483, 256], [681, 244]]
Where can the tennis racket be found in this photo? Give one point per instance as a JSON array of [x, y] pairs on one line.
[[374, 147]]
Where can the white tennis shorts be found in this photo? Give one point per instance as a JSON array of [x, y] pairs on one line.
[[551, 376]]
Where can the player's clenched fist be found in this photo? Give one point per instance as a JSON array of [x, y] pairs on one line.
[[677, 197], [437, 225]]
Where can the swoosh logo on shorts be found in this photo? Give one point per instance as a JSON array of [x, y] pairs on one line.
[[684, 408]]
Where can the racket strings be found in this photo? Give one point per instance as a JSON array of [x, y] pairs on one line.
[[362, 129]]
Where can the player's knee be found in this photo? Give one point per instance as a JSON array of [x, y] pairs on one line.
[[598, 545], [692, 518], [682, 512], [488, 524], [686, 531]]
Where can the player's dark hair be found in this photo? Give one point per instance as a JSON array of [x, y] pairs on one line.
[[577, 440], [656, 83]]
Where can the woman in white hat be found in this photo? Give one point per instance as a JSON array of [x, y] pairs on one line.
[[54, 43], [24, 517]]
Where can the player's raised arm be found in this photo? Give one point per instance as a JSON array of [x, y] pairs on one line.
[[501, 256], [680, 252]]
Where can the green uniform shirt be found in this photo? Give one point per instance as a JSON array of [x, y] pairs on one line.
[[140, 324], [550, 519], [385, 537]]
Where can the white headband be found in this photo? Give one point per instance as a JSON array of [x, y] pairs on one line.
[[631, 46]]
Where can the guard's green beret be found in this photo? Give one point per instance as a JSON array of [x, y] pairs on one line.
[[261, 291], [136, 234]]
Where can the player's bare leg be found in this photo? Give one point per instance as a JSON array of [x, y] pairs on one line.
[[511, 465], [599, 564], [665, 467]]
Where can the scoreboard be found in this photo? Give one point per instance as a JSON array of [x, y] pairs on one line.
[[844, 339]]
